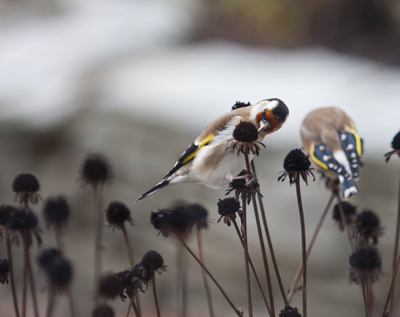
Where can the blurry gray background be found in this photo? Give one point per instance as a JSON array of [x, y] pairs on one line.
[[136, 81]]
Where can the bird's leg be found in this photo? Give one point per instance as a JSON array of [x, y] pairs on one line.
[[249, 178]]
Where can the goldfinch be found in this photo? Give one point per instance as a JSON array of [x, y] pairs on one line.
[[210, 160], [329, 136]]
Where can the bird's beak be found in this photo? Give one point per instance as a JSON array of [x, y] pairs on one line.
[[263, 124]]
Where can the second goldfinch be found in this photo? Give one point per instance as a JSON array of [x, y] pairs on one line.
[[210, 160], [329, 136]]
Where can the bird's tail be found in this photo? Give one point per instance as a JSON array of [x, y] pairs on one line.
[[154, 189], [349, 188]]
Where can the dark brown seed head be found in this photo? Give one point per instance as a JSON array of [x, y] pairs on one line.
[[26, 187], [117, 213], [103, 311], [365, 264], [4, 271], [46, 256], [109, 286], [59, 272], [245, 132], [228, 206], [289, 312], [152, 260], [95, 170], [56, 211]]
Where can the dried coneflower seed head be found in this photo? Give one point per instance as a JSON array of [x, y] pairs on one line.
[[296, 160], [245, 132], [395, 147], [349, 212], [139, 273], [19, 220], [199, 214], [109, 286], [24, 222], [59, 272], [56, 211], [4, 271], [368, 225], [117, 213], [296, 164], [26, 187], [396, 142], [239, 104], [365, 263], [152, 260], [228, 206], [46, 256], [5, 211], [289, 312], [161, 220], [95, 170], [103, 311]]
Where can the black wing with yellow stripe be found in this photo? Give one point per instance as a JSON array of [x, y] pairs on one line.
[[189, 154]]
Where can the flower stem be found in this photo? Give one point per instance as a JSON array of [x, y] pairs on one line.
[[28, 268], [303, 246], [98, 201], [253, 269], [204, 275], [155, 293], [309, 248], [12, 277], [271, 249], [129, 251], [237, 311], [246, 256], [391, 288]]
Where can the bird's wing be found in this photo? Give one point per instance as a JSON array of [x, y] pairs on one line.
[[189, 154], [205, 137]]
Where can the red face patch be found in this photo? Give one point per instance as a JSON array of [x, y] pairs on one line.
[[274, 123]]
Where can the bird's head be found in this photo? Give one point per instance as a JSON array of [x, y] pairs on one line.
[[271, 114]]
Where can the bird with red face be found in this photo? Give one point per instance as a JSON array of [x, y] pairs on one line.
[[210, 160]]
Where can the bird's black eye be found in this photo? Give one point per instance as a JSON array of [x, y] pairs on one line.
[[263, 114]]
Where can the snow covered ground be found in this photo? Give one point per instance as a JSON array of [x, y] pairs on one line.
[[141, 68]]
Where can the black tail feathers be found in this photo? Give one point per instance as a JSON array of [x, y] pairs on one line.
[[160, 185]]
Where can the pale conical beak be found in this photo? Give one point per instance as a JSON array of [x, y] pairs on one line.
[[263, 124]]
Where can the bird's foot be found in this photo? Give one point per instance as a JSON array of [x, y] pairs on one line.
[[250, 179]]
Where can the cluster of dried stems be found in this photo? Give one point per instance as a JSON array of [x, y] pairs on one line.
[[179, 222]]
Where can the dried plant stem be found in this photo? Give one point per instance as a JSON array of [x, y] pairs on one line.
[[28, 268], [396, 241], [181, 281], [204, 274], [129, 251], [133, 305], [373, 306], [246, 257], [50, 303], [303, 246], [396, 247], [12, 278], [98, 203], [271, 250], [253, 269], [309, 248], [155, 293], [71, 302], [60, 242], [391, 289], [346, 228], [239, 313]]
